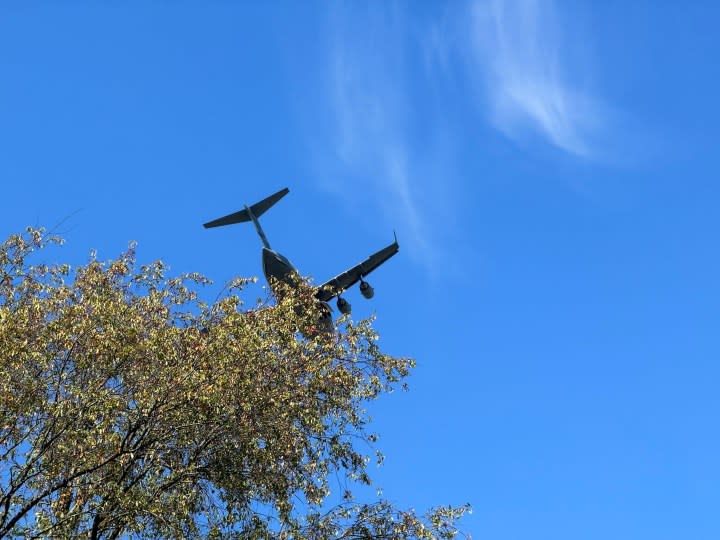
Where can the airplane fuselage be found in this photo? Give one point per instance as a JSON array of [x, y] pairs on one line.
[[277, 267]]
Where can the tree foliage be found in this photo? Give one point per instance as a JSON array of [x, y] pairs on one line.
[[130, 408]]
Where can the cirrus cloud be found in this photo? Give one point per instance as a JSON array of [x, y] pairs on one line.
[[519, 49]]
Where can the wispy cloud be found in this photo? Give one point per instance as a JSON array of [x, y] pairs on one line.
[[400, 106], [524, 61], [373, 114]]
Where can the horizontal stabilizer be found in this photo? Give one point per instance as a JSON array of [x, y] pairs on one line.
[[258, 209]]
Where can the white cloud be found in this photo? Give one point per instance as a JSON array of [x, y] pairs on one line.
[[371, 110], [520, 50], [397, 94]]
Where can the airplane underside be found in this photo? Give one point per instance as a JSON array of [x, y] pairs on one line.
[[277, 268]]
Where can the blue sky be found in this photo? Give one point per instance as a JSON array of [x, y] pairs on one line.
[[550, 169]]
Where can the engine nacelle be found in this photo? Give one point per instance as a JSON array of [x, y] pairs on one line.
[[366, 290], [343, 306]]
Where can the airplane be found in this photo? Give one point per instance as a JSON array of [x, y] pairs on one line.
[[277, 268]]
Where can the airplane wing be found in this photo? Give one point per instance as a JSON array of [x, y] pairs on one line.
[[348, 278]]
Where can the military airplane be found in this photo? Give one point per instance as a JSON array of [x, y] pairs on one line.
[[278, 268]]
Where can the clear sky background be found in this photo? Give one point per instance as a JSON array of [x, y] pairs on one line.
[[551, 170]]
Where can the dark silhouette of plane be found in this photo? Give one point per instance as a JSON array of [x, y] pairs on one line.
[[277, 268]]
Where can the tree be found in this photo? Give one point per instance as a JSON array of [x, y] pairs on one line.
[[130, 408]]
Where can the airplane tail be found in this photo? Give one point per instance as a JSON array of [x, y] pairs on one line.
[[257, 210]]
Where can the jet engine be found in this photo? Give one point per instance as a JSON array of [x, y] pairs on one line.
[[366, 290], [343, 306]]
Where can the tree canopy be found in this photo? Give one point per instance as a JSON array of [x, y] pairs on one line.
[[129, 408]]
